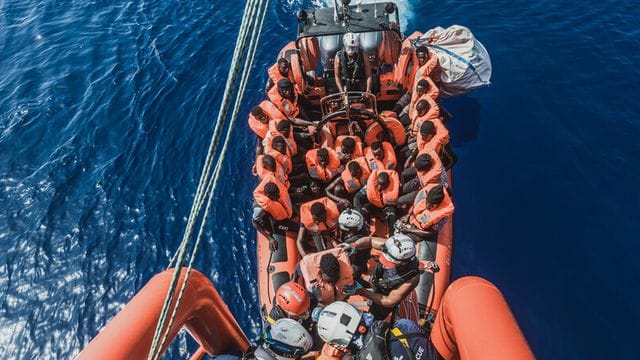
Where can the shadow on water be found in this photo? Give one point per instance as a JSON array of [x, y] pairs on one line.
[[465, 125]]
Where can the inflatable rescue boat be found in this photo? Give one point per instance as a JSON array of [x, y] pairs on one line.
[[466, 319]]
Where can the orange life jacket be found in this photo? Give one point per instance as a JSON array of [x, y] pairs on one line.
[[424, 218], [273, 132], [390, 47], [332, 215], [271, 110], [437, 173], [387, 163], [428, 69], [280, 209], [358, 149], [326, 293], [386, 197], [439, 140], [433, 93], [279, 174], [352, 184], [285, 106], [405, 69], [433, 113], [320, 173], [309, 53], [275, 75], [258, 127], [283, 159], [393, 126]]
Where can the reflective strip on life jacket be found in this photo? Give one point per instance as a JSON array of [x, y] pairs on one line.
[[352, 184], [387, 163], [280, 209], [322, 173], [424, 218]]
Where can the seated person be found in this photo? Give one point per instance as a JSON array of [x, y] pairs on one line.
[[320, 220], [283, 128], [327, 275], [351, 67], [429, 213], [433, 136], [280, 70], [285, 99], [323, 164], [352, 227], [352, 179], [406, 103], [278, 149], [425, 109], [394, 277], [427, 169], [267, 165], [379, 195], [348, 148], [428, 65], [380, 155], [259, 121], [272, 203]]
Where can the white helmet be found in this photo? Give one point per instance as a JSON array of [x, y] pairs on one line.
[[351, 220], [338, 323], [351, 43], [399, 248], [287, 339]]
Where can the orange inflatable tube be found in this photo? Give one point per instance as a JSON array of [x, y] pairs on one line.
[[206, 317], [475, 322]]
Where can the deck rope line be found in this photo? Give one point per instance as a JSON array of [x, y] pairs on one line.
[[207, 183]]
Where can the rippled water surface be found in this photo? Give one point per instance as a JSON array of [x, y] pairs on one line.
[[107, 108]]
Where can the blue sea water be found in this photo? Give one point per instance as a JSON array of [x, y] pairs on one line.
[[106, 112]]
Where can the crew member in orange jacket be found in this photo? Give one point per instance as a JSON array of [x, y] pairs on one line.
[[379, 194], [319, 219]]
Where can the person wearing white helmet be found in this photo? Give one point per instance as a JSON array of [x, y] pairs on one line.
[[345, 330], [285, 339], [395, 275], [352, 227], [351, 67]]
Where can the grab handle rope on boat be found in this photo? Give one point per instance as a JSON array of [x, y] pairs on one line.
[[253, 20]]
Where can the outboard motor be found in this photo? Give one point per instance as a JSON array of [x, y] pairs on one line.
[[329, 46], [370, 44]]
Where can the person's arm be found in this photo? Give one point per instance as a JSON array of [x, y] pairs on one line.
[[394, 297], [301, 122], [273, 244], [301, 234], [367, 70], [342, 202], [336, 72], [302, 113]]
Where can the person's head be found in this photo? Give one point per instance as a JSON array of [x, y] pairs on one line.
[[279, 144], [351, 43], [351, 220], [422, 87], [284, 127], [259, 114], [354, 169], [315, 188], [323, 157], [329, 269], [398, 249], [383, 181], [422, 54], [285, 88], [423, 162], [287, 339], [435, 197], [318, 212], [348, 146], [269, 163], [427, 130], [283, 66], [294, 300], [272, 191], [339, 323], [377, 150], [422, 107]]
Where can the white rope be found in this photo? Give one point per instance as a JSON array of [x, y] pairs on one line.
[[248, 64], [205, 184]]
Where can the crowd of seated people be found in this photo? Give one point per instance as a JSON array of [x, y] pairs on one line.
[[330, 185]]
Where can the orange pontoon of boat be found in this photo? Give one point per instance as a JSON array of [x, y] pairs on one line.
[[355, 175]]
